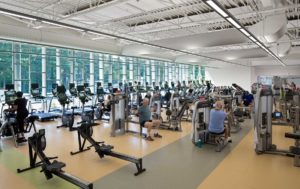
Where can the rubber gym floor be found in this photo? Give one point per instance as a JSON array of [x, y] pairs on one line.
[[171, 162]]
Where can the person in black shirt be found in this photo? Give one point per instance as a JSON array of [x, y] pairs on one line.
[[22, 112]]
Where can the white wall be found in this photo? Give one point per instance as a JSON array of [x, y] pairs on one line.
[[232, 74], [274, 71]]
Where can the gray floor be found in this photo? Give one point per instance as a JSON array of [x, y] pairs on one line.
[[177, 166]]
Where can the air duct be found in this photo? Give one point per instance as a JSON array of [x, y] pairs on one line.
[[283, 46], [271, 29]]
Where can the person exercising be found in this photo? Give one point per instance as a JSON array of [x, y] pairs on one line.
[[145, 120], [22, 112], [248, 100], [216, 121]]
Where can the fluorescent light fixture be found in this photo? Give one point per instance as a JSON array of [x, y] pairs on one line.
[[52, 23], [245, 32], [253, 39], [233, 22], [216, 8], [17, 15], [97, 38], [37, 27], [61, 25], [95, 33]]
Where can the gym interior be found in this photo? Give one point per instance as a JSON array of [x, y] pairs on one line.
[[106, 94]]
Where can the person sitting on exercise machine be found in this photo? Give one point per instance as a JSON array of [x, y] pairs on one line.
[[22, 112], [145, 120], [216, 121]]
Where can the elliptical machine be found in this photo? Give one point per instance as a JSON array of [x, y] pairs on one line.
[[67, 118], [101, 112], [87, 116]]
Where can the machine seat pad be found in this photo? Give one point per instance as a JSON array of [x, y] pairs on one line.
[[217, 134], [293, 135], [32, 118], [55, 166], [295, 150]]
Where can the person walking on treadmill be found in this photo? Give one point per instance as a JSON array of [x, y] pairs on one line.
[[22, 112], [216, 121], [145, 120]]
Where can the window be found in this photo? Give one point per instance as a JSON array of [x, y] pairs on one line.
[[50, 68], [82, 67], [5, 63], [22, 63], [66, 67]]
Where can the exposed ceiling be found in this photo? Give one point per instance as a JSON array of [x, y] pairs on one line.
[[188, 25]]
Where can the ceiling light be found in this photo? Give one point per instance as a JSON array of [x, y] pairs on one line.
[[216, 8], [233, 22], [253, 39], [17, 15], [37, 27], [61, 25], [245, 32], [52, 23], [95, 33]]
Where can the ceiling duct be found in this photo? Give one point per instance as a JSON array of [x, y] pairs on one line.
[[283, 46], [271, 29]]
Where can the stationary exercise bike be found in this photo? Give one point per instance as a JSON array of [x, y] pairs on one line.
[[67, 118]]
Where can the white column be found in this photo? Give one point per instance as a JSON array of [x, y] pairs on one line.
[[170, 73], [29, 72], [166, 72], [123, 71], [58, 78], [152, 71], [101, 69], [138, 78], [92, 71], [17, 66], [158, 73], [131, 71], [72, 67], [44, 81], [110, 72], [148, 71]]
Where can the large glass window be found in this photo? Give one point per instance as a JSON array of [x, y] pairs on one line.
[[115, 70], [50, 68], [82, 67], [5, 63], [22, 63]]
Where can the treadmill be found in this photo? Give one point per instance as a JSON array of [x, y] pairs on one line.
[[50, 115], [10, 96]]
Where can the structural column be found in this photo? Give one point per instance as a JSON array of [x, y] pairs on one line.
[[123, 63], [44, 78], [130, 71], [152, 71], [16, 66], [110, 70], [72, 67], [148, 72], [101, 69], [166, 71], [58, 78], [92, 71]]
